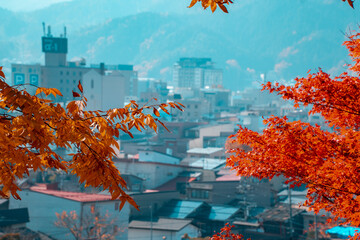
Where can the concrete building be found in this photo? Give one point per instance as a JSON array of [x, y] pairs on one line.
[[218, 99], [196, 73], [153, 173], [200, 132], [105, 86], [206, 153], [153, 156], [44, 203], [109, 88], [194, 110]]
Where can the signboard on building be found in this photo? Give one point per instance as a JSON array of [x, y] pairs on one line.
[[34, 79], [19, 78], [54, 45]]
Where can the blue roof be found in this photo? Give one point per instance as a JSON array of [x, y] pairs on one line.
[[222, 213], [343, 231], [180, 209], [208, 163]]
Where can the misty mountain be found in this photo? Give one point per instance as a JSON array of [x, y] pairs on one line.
[[282, 39]]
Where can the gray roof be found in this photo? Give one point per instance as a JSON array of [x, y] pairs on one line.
[[180, 209], [162, 224], [208, 150], [293, 193], [222, 213], [279, 213], [208, 163]]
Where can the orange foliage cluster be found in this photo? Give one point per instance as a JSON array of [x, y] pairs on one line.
[[212, 4], [30, 125], [226, 234], [221, 3], [351, 2], [327, 162]]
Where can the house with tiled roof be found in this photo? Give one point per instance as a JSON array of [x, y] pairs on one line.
[[162, 228], [43, 203], [207, 217]]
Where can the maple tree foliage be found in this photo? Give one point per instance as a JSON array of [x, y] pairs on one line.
[[213, 4], [226, 234], [327, 162], [92, 225], [31, 125]]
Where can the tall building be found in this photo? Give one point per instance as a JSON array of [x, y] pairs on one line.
[[196, 73], [109, 87], [106, 85]]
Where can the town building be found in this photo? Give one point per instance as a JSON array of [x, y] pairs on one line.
[[196, 73], [163, 228], [43, 202], [105, 86]]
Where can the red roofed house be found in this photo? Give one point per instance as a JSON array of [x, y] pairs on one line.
[[43, 203]]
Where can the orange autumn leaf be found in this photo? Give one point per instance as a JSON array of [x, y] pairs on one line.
[[29, 125], [327, 162], [80, 87], [214, 3]]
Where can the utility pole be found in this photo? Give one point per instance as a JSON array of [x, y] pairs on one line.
[[316, 229], [151, 223], [290, 213]]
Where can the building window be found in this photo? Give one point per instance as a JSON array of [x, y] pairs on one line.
[[67, 73], [67, 81], [30, 70], [116, 206], [61, 81], [74, 81], [201, 194], [74, 73], [92, 83], [61, 72]]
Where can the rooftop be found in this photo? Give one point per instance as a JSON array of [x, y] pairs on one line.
[[229, 178], [179, 209], [209, 150], [162, 224], [222, 213], [207, 163], [279, 213], [172, 184], [75, 196], [343, 231]]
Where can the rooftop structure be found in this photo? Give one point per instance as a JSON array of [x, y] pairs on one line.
[[105, 86], [75, 196], [162, 224]]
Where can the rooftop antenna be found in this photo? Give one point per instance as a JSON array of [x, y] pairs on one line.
[[64, 31], [49, 31], [43, 24]]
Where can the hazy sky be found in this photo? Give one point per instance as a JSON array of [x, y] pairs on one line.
[[27, 5]]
